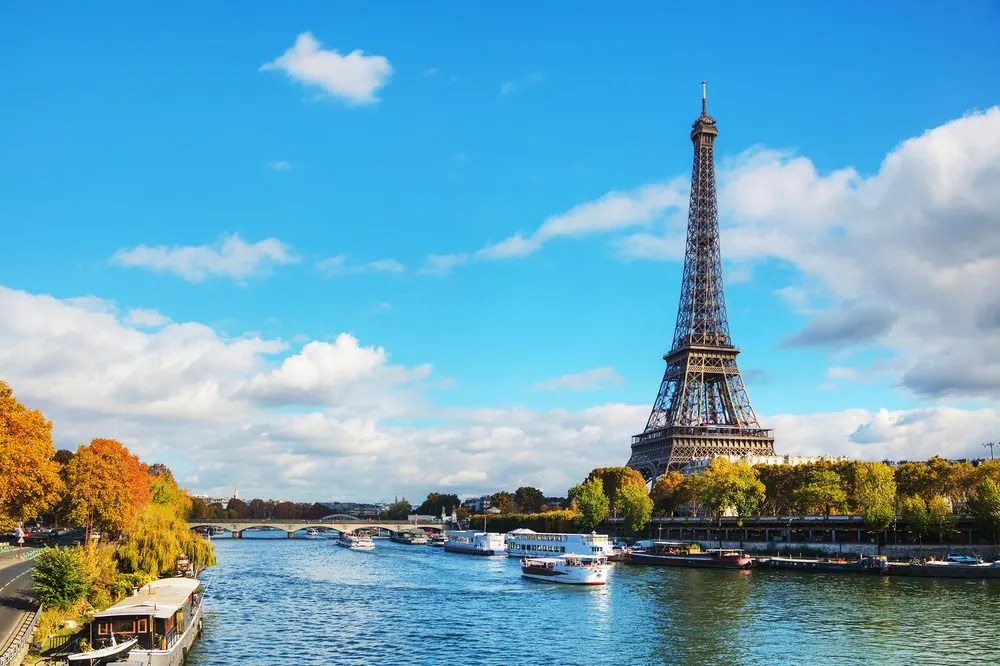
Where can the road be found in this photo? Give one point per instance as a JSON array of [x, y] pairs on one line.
[[16, 596]]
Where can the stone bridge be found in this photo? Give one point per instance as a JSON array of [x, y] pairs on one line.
[[239, 525]]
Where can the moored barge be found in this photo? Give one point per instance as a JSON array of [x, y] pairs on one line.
[[680, 554]]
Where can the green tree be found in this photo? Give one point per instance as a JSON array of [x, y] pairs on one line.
[[504, 501], [875, 494], [915, 513], [667, 493], [940, 515], [730, 485], [635, 506], [59, 577], [435, 502], [916, 479], [779, 482], [529, 499], [985, 506], [823, 492], [591, 502], [613, 479], [398, 510]]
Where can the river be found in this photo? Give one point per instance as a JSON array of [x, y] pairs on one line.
[[307, 601]]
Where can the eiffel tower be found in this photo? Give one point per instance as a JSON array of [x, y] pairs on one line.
[[702, 408]]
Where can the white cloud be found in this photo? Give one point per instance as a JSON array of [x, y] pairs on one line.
[[612, 212], [338, 419], [231, 257], [354, 77], [280, 165], [338, 265], [588, 380], [443, 264], [145, 317]]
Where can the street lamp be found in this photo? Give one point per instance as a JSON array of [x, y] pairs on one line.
[[991, 445]]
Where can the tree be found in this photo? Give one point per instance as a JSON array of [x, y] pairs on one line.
[[875, 494], [613, 479], [916, 479], [107, 487], [986, 505], [667, 493], [823, 492], [730, 485], [435, 502], [59, 577], [779, 482], [398, 510], [940, 515], [504, 501], [591, 501], [29, 476], [914, 511], [635, 506], [528, 499]]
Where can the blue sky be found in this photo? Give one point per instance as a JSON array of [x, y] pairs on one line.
[[138, 136]]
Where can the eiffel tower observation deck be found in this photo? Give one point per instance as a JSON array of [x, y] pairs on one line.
[[702, 408]]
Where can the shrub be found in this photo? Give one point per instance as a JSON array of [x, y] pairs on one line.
[[59, 577]]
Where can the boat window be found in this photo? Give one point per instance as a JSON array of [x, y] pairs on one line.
[[103, 628], [142, 626]]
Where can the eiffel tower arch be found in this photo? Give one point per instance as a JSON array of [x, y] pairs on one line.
[[702, 407]]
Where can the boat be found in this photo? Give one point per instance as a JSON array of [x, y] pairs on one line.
[[568, 569], [681, 554], [105, 654], [312, 533], [945, 569], [411, 537], [474, 542], [437, 540], [161, 620], [876, 564], [356, 541], [527, 543]]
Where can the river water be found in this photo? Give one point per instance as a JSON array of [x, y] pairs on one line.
[[307, 601]]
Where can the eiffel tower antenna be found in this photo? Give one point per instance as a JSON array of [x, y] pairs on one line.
[[702, 408]]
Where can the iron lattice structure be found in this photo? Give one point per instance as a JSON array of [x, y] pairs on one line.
[[702, 408]]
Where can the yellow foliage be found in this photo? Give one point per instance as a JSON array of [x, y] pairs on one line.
[[107, 486], [29, 477]]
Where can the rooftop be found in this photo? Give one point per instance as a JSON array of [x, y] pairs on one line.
[[160, 599]]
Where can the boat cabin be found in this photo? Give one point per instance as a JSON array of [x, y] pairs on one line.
[[156, 615]]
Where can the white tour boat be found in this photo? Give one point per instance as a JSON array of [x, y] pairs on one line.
[[161, 621], [569, 569], [526, 543], [474, 542], [356, 541]]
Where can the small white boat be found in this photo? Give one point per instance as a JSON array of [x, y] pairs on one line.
[[356, 541], [568, 569], [437, 541], [312, 533], [105, 654]]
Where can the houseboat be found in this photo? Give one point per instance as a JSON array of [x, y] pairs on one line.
[[474, 542], [946, 569], [163, 619], [568, 569], [681, 554], [865, 564], [411, 537], [526, 543], [356, 541]]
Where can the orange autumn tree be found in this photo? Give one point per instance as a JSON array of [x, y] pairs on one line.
[[107, 487], [29, 477]]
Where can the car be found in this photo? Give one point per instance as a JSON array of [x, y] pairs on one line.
[[53, 533]]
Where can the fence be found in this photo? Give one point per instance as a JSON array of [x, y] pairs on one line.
[[22, 636]]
